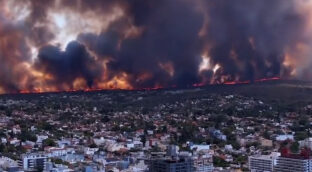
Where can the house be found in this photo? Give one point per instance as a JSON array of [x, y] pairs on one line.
[[134, 144], [266, 142], [99, 141], [306, 143], [14, 141], [284, 137], [16, 129], [64, 143], [57, 152], [140, 132], [3, 140], [90, 151], [200, 147], [40, 138], [217, 134]]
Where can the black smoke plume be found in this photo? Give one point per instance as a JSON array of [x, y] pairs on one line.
[[66, 66], [155, 43], [249, 38]]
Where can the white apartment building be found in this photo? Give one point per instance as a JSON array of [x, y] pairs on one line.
[[285, 164], [263, 163], [33, 161]]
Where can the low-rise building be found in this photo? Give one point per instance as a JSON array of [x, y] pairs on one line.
[[266, 142], [306, 143], [284, 137], [203, 165]]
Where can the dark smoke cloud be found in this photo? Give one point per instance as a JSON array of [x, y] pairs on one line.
[[170, 36], [14, 51], [248, 38], [106, 43], [66, 66]]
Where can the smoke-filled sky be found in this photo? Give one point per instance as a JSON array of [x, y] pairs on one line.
[[51, 45]]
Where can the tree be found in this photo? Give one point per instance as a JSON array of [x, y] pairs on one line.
[[235, 145], [26, 135], [93, 145], [46, 126], [57, 161], [301, 135], [48, 142], [143, 139], [294, 147], [219, 162], [242, 159], [105, 119], [266, 135]]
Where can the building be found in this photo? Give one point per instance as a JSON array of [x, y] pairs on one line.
[[217, 134], [172, 150], [203, 165], [266, 142], [294, 162], [172, 162], [306, 143], [171, 165], [52, 152], [262, 163], [34, 161], [284, 137], [200, 147], [6, 162]]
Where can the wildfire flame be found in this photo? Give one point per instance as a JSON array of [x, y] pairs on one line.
[[38, 91]]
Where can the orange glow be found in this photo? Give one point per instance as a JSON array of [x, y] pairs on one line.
[[168, 67], [236, 82], [80, 84], [252, 43], [143, 77], [198, 85], [117, 82], [110, 85], [248, 82]]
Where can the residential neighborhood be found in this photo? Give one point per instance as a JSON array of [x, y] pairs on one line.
[[134, 131]]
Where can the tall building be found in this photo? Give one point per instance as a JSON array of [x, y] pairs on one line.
[[262, 163], [172, 162], [171, 165], [294, 162], [33, 161], [172, 150]]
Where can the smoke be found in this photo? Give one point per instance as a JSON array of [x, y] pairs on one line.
[[66, 66], [248, 39], [14, 55], [76, 44], [170, 37]]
